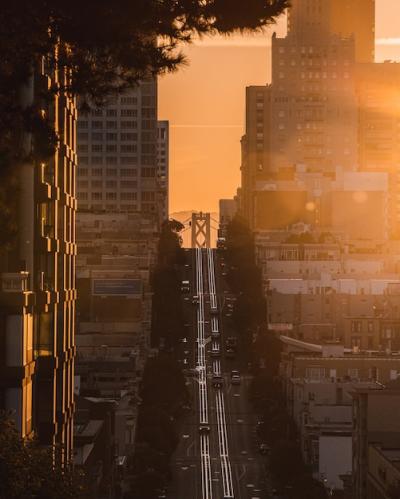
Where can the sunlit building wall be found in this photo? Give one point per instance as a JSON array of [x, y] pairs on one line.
[[345, 18], [37, 296], [313, 103], [378, 93]]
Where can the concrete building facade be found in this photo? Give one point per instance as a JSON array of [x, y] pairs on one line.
[[38, 293], [117, 148]]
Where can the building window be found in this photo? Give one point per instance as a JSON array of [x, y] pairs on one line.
[[96, 184], [97, 136], [128, 124], [111, 196], [82, 124], [128, 160], [129, 100], [111, 184], [111, 148], [83, 160], [83, 172], [128, 196], [97, 196], [82, 196], [111, 112], [125, 172], [130, 113], [111, 124], [83, 136], [83, 184], [148, 196], [356, 326], [128, 148], [97, 172], [148, 172], [97, 147], [97, 124], [128, 207], [128, 184], [128, 136], [111, 160], [97, 112], [97, 160], [111, 136], [111, 172]]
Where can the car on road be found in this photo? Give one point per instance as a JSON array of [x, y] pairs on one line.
[[185, 287], [217, 380], [204, 429], [264, 449], [215, 335], [195, 300], [230, 353], [214, 311], [215, 351], [235, 377]]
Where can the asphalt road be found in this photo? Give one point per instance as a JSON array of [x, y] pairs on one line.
[[225, 462]]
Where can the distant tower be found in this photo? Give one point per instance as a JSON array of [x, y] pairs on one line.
[[201, 230]]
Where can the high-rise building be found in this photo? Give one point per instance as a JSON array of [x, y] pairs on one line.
[[346, 18], [378, 94], [313, 103], [255, 145], [307, 121], [37, 295], [163, 165], [117, 148]]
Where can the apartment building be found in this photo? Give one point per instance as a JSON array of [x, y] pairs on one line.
[[38, 294], [117, 148], [322, 412], [376, 442]]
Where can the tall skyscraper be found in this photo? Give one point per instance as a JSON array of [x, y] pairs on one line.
[[346, 18], [307, 120], [37, 295], [117, 149], [163, 165]]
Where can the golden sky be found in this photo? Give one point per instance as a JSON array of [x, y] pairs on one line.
[[204, 103]]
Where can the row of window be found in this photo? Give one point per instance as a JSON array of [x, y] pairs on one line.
[[112, 136], [107, 207], [147, 172], [109, 184], [315, 75], [149, 196], [315, 62], [109, 160], [97, 196], [310, 50], [109, 172]]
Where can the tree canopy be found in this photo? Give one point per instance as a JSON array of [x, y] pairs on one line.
[[27, 470], [112, 43]]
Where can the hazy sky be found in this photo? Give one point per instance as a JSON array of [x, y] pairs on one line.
[[205, 102]]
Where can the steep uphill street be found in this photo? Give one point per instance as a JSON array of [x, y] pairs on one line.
[[217, 457]]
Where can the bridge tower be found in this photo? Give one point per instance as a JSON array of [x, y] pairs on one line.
[[201, 230]]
